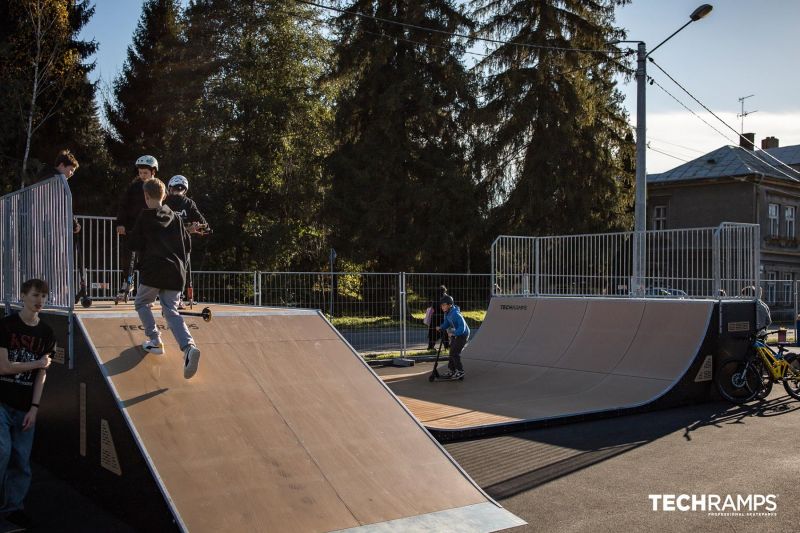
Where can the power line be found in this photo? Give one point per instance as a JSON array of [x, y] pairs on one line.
[[453, 34], [690, 110], [627, 52], [755, 148], [666, 154], [676, 145]]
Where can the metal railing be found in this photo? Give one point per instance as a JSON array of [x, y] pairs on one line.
[[38, 241], [698, 262], [98, 253]]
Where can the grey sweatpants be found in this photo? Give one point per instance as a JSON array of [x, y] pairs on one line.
[[145, 296]]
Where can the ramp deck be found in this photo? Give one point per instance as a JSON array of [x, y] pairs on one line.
[[284, 428], [544, 358]]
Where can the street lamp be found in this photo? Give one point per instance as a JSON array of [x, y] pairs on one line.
[[640, 210]]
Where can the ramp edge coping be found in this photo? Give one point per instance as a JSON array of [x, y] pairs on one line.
[[132, 428], [476, 518]]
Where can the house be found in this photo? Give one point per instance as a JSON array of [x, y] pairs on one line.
[[739, 184]]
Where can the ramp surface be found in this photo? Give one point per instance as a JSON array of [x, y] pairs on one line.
[[283, 428], [543, 358]]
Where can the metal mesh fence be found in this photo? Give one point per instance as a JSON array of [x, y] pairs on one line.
[[701, 262], [38, 241]]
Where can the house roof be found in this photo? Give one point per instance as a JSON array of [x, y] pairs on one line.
[[729, 161]]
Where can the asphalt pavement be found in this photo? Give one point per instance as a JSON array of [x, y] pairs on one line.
[[607, 475]]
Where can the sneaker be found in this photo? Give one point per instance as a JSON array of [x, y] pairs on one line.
[[458, 374], [191, 358], [19, 518], [154, 346]]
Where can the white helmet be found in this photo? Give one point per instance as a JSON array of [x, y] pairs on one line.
[[147, 161], [178, 180]]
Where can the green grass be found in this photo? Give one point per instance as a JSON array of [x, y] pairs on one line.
[[410, 354], [474, 319]]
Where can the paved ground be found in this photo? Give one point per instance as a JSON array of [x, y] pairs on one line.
[[597, 476], [591, 476]]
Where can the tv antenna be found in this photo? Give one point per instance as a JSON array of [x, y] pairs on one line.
[[744, 113]]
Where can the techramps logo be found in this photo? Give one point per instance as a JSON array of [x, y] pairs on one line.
[[716, 504], [514, 307]]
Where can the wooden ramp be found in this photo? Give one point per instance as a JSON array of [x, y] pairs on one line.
[[538, 359], [284, 428]]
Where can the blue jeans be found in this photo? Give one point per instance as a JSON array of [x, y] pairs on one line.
[[145, 296], [15, 458]]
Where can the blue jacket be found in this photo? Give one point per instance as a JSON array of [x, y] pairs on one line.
[[454, 320]]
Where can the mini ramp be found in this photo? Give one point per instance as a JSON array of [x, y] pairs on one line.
[[284, 428], [539, 359]]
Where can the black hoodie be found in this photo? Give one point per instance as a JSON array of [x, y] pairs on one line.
[[163, 245]]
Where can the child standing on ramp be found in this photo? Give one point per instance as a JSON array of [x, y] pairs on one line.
[[459, 335], [163, 246]]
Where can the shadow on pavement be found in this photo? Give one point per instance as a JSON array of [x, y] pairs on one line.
[[507, 465]]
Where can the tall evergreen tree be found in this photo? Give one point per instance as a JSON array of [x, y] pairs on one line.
[[141, 112], [558, 150], [402, 196], [255, 130], [62, 114]]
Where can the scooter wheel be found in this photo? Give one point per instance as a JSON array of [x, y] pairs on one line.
[[86, 301], [431, 378]]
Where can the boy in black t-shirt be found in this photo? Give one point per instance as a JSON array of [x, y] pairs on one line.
[[25, 347]]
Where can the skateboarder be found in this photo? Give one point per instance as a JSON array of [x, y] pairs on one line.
[[25, 347], [130, 206], [455, 324], [163, 245]]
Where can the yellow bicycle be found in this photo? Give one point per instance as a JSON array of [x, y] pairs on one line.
[[742, 379]]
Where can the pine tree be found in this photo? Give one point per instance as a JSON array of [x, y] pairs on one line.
[[557, 147], [46, 99], [403, 195], [255, 129], [141, 112]]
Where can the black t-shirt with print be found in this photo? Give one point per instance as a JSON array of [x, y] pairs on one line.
[[24, 344]]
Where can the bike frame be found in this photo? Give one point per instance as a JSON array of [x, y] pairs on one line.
[[778, 368]]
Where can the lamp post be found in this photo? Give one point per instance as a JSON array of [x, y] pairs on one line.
[[640, 208]]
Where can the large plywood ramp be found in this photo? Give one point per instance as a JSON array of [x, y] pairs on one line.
[[538, 359], [284, 428]]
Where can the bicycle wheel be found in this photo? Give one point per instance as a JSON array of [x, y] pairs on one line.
[[766, 379], [738, 380], [791, 382]]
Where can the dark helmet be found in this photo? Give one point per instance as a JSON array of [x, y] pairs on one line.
[[447, 299]]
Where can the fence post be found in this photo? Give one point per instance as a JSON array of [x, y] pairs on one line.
[[536, 259], [716, 258], [402, 300], [255, 287]]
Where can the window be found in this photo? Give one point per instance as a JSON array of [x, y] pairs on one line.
[[660, 217], [789, 217], [773, 220], [786, 297], [770, 296]]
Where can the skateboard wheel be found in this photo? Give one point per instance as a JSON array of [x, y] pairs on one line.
[[86, 301]]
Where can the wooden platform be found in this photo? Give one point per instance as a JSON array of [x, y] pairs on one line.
[[284, 428], [543, 358]]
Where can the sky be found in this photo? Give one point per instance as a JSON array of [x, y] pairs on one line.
[[742, 47]]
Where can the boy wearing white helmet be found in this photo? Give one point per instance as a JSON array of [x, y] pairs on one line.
[[131, 204], [183, 206]]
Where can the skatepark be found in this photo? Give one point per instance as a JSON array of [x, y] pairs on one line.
[[286, 428]]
